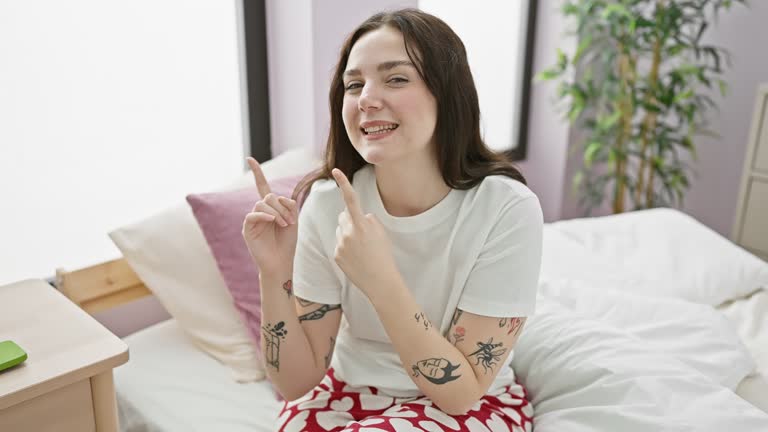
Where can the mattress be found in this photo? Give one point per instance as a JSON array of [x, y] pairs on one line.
[[169, 385]]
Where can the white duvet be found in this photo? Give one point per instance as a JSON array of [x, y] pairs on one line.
[[625, 337], [586, 372]]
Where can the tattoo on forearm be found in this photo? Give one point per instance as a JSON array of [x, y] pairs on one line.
[[329, 355], [288, 287], [436, 370], [514, 325], [303, 302], [420, 317], [488, 354], [458, 334], [272, 338], [318, 313]]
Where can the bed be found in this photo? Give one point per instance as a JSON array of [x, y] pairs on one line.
[[645, 321]]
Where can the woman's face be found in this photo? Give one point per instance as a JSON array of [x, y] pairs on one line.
[[388, 111]]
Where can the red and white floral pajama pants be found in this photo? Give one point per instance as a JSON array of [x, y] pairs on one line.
[[335, 406]]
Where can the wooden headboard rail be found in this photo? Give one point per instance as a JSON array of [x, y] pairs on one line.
[[101, 286]]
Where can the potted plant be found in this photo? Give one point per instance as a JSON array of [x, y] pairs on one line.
[[639, 86]]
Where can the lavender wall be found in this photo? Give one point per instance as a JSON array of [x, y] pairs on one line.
[[548, 134], [714, 195], [303, 42]]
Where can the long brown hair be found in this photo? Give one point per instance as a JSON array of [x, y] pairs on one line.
[[441, 61]]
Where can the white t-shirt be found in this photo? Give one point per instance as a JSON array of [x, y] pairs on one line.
[[478, 250]]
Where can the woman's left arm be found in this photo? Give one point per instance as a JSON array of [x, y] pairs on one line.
[[454, 375]]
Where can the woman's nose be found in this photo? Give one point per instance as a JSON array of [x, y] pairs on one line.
[[369, 99]]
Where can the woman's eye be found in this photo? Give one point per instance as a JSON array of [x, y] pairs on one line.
[[398, 80], [352, 86]]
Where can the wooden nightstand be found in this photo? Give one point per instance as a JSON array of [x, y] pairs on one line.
[[66, 383]]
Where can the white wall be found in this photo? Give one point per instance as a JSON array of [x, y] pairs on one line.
[[109, 111]]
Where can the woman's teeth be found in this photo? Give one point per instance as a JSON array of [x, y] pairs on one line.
[[377, 130]]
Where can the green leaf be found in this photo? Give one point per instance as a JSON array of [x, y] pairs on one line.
[[577, 179], [583, 45], [562, 60], [723, 87], [589, 154], [683, 96], [576, 109], [570, 9], [615, 9], [547, 75], [604, 123], [612, 159]]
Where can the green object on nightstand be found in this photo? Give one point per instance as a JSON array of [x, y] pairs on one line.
[[10, 355]]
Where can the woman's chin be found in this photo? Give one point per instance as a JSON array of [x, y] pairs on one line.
[[374, 156]]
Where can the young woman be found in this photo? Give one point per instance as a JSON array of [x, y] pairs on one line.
[[394, 299]]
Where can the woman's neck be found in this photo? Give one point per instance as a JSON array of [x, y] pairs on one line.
[[409, 188]]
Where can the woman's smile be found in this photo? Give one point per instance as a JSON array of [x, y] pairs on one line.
[[379, 134]]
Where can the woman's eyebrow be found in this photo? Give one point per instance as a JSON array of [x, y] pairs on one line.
[[381, 67]]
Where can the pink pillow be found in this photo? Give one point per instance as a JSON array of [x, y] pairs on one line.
[[220, 216]]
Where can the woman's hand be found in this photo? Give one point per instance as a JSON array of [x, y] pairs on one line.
[[270, 230], [363, 250]]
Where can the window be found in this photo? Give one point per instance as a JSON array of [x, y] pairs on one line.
[[110, 112], [499, 43]]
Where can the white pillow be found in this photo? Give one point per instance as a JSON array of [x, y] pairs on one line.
[[170, 255], [657, 252], [583, 375], [695, 334]]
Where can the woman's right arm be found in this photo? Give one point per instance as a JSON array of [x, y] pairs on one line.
[[298, 337]]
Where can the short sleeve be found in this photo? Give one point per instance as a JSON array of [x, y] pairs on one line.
[[314, 278], [504, 279]]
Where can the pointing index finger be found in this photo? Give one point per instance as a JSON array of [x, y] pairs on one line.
[[348, 192], [258, 176]]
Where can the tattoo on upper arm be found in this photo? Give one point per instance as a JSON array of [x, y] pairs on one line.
[[272, 337], [456, 316], [303, 302], [318, 313], [420, 317], [436, 370], [458, 334], [330, 354], [488, 353], [288, 287], [458, 331], [514, 325]]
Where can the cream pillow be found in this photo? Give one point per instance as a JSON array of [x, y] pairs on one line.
[[169, 253]]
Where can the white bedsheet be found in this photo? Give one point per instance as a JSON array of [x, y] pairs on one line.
[[170, 386], [750, 318], [749, 315]]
